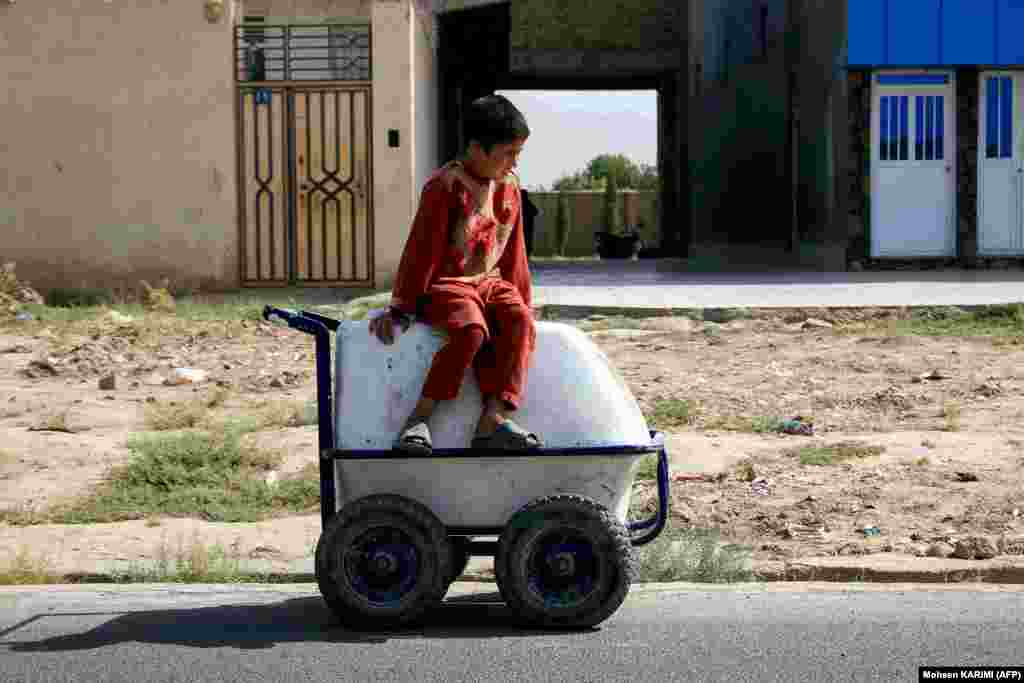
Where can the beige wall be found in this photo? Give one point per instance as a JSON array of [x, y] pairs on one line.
[[119, 140], [394, 173], [310, 9], [425, 76], [118, 143]]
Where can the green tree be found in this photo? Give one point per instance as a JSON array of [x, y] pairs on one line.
[[574, 181], [626, 172], [612, 222], [594, 176], [563, 221], [648, 177]]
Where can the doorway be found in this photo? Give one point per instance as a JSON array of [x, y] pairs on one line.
[[913, 165], [1001, 164]]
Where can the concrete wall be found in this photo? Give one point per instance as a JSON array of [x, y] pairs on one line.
[[396, 191], [426, 135], [118, 143], [310, 9]]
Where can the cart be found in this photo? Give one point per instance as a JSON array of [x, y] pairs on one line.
[[398, 529]]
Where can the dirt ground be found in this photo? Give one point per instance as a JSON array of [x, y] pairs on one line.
[[948, 476]]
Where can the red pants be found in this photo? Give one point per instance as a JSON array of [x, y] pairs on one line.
[[488, 326]]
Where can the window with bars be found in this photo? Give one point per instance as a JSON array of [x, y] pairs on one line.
[[998, 117], [316, 52], [930, 125], [894, 137]]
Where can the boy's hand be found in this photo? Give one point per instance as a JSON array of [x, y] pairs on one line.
[[383, 326]]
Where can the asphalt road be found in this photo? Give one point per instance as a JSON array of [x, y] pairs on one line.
[[284, 633]]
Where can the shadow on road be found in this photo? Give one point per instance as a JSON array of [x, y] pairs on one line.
[[304, 619]]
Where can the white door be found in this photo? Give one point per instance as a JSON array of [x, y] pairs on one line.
[[913, 171], [1001, 164]]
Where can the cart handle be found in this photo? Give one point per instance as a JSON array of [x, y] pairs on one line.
[[653, 527], [301, 321], [318, 326]]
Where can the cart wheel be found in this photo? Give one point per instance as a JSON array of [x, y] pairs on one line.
[[382, 561], [564, 562], [460, 557]]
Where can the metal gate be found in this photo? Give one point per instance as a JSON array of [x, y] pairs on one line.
[[305, 175]]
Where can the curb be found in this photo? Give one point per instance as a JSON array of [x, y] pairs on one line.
[[885, 568], [716, 314], [895, 568], [803, 573]]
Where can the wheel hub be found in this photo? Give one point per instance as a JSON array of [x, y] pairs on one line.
[[383, 563], [562, 564]]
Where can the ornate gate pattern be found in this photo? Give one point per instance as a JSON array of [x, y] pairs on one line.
[[305, 163]]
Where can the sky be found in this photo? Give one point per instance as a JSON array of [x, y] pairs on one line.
[[569, 128]]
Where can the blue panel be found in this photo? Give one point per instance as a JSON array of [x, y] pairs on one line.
[[904, 129], [913, 79], [883, 135], [991, 118], [919, 143], [894, 128], [1009, 39], [913, 32], [940, 127], [929, 117], [1006, 117], [968, 31], [866, 26]]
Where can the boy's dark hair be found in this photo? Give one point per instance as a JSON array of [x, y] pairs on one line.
[[493, 120]]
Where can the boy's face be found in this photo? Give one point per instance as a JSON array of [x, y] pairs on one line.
[[500, 162]]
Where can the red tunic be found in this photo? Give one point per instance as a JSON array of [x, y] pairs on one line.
[[466, 230]]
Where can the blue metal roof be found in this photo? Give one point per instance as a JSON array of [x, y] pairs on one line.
[[908, 33]]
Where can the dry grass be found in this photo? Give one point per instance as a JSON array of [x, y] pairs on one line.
[[54, 422], [282, 414], [28, 569], [194, 562], [191, 562], [173, 415], [745, 471], [951, 414]]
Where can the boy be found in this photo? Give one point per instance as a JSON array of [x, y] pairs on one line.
[[464, 270]]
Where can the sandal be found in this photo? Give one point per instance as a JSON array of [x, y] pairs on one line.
[[508, 436], [415, 439]]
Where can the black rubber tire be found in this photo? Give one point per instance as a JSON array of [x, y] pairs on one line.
[[460, 557], [607, 557], [406, 524]]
